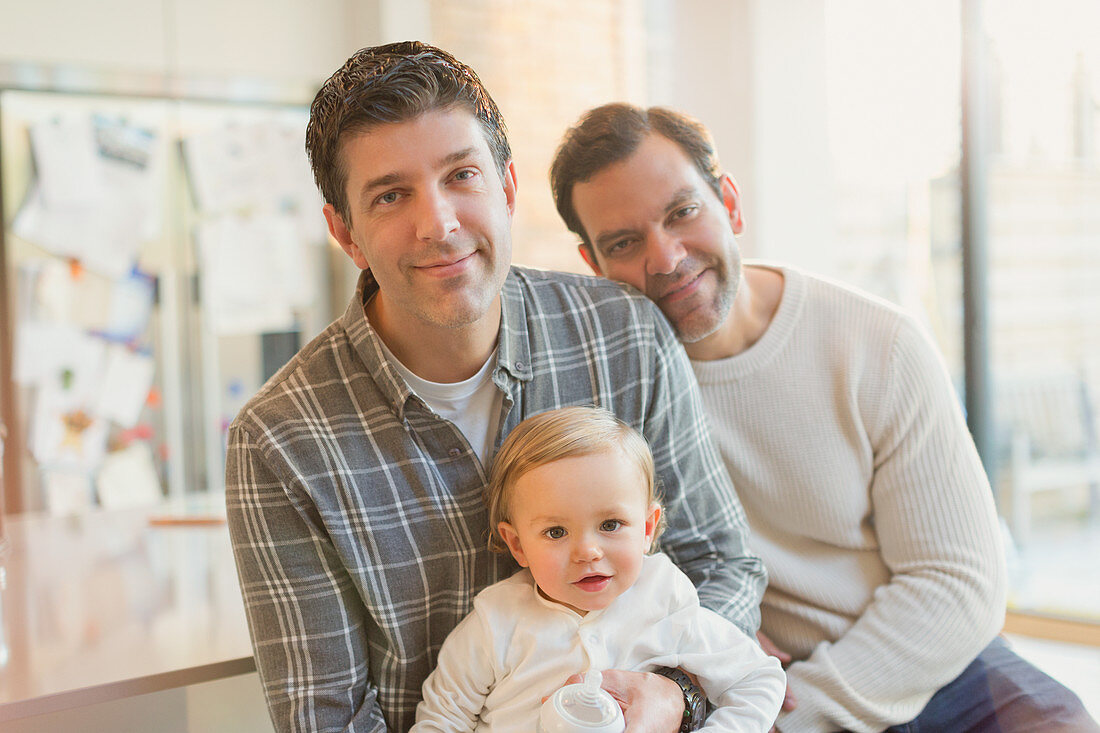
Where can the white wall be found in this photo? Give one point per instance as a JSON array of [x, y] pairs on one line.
[[281, 40], [753, 72]]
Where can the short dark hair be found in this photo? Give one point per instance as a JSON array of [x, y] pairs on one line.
[[610, 133], [392, 83]]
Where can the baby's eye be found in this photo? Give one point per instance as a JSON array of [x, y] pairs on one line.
[[555, 533], [610, 525]]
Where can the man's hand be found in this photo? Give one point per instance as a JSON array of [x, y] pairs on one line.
[[651, 703], [769, 647]]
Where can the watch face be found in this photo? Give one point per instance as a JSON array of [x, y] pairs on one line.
[[697, 703]]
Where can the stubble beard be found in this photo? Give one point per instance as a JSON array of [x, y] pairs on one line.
[[465, 303], [693, 327]]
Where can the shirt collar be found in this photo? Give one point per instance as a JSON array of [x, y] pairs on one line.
[[513, 347], [514, 344]]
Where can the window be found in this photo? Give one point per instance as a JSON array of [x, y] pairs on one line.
[[893, 115]]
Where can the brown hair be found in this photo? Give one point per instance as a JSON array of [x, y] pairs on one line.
[[610, 133], [392, 83], [551, 436]]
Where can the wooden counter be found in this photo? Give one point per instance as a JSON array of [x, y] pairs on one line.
[[110, 605]]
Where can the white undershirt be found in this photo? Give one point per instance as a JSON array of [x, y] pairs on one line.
[[473, 404]]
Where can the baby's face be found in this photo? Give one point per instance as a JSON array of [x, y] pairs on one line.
[[582, 525]]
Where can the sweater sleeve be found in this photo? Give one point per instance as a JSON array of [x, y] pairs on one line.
[[939, 536]]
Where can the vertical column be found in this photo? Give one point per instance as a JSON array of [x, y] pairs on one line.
[[975, 232], [11, 455]]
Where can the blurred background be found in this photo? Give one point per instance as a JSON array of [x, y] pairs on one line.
[[163, 254]]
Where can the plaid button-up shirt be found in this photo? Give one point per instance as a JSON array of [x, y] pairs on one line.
[[356, 513]]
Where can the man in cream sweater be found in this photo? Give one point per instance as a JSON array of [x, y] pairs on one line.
[[842, 433]]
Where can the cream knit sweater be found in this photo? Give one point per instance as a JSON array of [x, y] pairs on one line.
[[866, 500]]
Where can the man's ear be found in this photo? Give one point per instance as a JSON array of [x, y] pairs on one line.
[[652, 521], [589, 256], [511, 185], [731, 199], [508, 533], [342, 234]]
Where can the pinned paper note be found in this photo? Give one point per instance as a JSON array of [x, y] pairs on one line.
[[124, 387], [95, 197], [229, 167], [65, 160], [255, 272], [117, 309], [131, 307], [65, 434], [54, 288], [60, 357], [67, 490], [243, 166], [128, 478], [127, 378]]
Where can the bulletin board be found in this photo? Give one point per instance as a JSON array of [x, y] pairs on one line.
[[163, 254]]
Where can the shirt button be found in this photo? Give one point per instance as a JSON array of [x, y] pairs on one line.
[[591, 639], [455, 452], [519, 366]]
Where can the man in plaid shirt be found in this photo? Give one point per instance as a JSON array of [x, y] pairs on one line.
[[354, 477]]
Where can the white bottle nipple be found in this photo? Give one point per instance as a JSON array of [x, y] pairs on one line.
[[582, 708]]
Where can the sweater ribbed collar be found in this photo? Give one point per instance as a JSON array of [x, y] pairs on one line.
[[775, 338]]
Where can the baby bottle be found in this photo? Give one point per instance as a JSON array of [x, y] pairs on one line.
[[582, 708]]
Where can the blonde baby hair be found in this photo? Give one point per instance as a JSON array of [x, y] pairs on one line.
[[551, 436]]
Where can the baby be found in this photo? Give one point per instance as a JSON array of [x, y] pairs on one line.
[[572, 497]]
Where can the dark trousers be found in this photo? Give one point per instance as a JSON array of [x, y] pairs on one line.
[[1001, 693]]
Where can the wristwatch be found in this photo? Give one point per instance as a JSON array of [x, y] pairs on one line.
[[695, 702]]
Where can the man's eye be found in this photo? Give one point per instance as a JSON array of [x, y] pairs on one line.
[[616, 248], [387, 198], [610, 525], [555, 533], [683, 212]]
